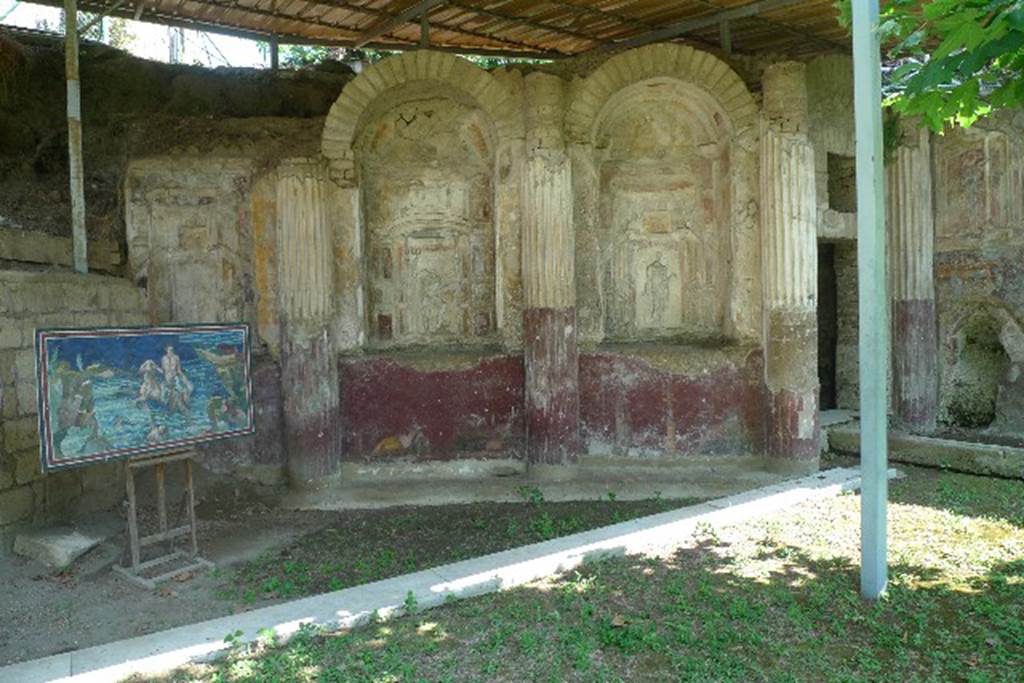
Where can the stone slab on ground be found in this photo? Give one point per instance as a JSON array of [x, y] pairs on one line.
[[960, 456], [58, 546], [160, 652]]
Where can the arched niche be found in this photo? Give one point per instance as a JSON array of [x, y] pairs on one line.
[[663, 169], [984, 354], [416, 138], [664, 183], [425, 166]]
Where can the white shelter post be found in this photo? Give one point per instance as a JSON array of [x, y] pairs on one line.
[[872, 297], [75, 172]]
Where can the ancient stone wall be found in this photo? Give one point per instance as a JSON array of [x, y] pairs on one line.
[[31, 299], [955, 226], [459, 207], [979, 275], [458, 263], [662, 143]]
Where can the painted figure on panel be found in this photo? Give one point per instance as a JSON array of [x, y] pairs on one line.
[[133, 391]]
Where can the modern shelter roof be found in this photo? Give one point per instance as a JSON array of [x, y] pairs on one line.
[[522, 28]]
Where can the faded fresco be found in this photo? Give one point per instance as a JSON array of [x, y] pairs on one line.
[[112, 393]]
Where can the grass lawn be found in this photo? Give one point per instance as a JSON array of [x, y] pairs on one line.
[[772, 600], [370, 545]]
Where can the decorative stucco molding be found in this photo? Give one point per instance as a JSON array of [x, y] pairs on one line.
[[678, 62], [450, 73]]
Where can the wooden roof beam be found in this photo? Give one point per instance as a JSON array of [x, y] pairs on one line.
[[679, 28], [785, 28], [286, 38], [405, 16], [522, 21]]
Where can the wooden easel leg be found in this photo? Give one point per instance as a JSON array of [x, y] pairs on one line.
[[161, 497], [191, 498], [133, 519], [166, 535]]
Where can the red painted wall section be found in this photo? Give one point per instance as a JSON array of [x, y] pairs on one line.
[[392, 409], [631, 406]]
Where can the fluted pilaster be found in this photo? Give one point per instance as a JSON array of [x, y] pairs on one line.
[[910, 218], [548, 263], [790, 266], [305, 265], [788, 214], [549, 283], [309, 373]]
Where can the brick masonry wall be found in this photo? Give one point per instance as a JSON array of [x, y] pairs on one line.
[[31, 299]]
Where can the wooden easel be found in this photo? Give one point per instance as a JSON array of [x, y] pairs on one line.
[[134, 573]]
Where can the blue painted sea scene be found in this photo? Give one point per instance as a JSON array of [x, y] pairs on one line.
[[109, 393]]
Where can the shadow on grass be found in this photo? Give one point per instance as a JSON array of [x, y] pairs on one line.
[[363, 546], [748, 610]]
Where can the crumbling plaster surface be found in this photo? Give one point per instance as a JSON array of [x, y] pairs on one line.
[[979, 178], [189, 237], [413, 124], [653, 401], [384, 138], [692, 107], [830, 119], [432, 406]]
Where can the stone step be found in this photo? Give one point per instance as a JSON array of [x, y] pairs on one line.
[[960, 456]]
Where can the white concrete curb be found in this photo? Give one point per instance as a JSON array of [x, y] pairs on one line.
[[160, 652]]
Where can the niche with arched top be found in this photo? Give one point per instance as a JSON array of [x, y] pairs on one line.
[[425, 168], [662, 156], [979, 367]]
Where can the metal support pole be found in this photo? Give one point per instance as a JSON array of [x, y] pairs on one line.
[[274, 57], [725, 37], [424, 31], [81, 259], [873, 299]]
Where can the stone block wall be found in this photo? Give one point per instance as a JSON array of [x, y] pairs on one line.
[[31, 299]]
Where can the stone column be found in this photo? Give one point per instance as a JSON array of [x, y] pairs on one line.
[[790, 263], [911, 231], [549, 314], [309, 371]]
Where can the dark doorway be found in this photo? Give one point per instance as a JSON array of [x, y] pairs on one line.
[[828, 325]]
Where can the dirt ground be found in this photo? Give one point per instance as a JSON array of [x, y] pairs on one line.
[[46, 613], [266, 555]]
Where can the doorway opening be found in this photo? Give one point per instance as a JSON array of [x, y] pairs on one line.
[[828, 325]]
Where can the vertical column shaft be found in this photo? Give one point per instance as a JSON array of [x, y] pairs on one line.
[[789, 250], [911, 237], [309, 373], [871, 302], [75, 170], [549, 315]]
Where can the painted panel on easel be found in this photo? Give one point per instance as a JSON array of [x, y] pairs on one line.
[[110, 393]]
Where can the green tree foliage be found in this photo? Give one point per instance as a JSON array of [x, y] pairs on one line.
[[951, 61], [299, 56]]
